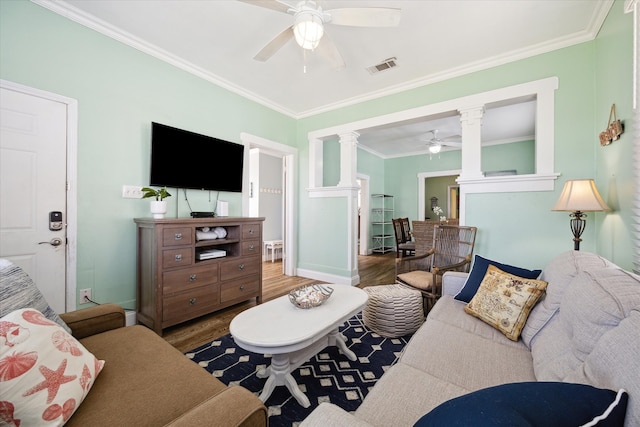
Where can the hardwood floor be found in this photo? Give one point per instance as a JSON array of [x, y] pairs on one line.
[[373, 269]]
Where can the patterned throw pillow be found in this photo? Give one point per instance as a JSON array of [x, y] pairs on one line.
[[45, 373], [17, 291], [504, 301], [479, 269]]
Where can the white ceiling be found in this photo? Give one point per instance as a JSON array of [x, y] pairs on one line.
[[436, 40]]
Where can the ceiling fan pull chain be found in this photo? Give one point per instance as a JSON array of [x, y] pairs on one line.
[[304, 61]]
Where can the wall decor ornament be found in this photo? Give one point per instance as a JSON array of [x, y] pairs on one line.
[[614, 128]]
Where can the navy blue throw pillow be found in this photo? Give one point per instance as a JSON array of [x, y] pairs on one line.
[[478, 271], [549, 404]]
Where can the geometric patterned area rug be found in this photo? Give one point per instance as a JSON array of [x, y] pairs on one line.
[[327, 377]]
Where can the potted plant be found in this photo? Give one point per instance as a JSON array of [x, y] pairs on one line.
[[159, 205]]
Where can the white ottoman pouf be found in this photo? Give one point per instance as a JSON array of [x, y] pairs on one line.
[[393, 310]]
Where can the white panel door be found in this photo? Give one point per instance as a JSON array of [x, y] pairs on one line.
[[33, 143]]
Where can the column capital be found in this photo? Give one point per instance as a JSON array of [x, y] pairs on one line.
[[350, 136], [471, 114]]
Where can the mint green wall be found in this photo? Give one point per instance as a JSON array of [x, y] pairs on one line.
[[518, 156], [331, 169], [517, 228], [614, 163], [403, 173], [120, 91]]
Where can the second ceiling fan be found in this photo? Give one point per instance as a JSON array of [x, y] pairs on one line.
[[309, 20], [435, 143]]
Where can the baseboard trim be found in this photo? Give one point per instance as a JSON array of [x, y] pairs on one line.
[[130, 317], [329, 278]]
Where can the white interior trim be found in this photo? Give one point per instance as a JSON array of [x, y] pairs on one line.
[[365, 194], [67, 10], [72, 179], [290, 156], [544, 92]]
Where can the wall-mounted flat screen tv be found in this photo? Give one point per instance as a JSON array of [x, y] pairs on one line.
[[183, 159]]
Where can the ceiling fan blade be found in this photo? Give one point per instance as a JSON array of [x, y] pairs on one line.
[[274, 45], [365, 16], [451, 143], [452, 138], [328, 50], [269, 4]]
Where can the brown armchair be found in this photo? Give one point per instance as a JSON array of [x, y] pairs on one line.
[[452, 250]]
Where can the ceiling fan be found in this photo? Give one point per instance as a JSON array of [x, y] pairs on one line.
[[435, 143], [309, 21]]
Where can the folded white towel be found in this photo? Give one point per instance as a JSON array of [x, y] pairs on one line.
[[221, 232], [206, 235]]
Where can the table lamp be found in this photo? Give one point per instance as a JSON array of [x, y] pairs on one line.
[[579, 196]]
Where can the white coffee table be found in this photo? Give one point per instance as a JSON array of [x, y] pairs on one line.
[[293, 335]]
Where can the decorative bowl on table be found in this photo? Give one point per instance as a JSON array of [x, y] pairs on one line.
[[310, 296]]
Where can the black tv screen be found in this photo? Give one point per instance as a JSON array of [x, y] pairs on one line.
[[184, 159]]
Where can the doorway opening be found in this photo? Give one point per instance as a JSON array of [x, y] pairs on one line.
[[289, 156]]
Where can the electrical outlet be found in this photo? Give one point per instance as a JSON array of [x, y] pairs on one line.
[[85, 295], [131, 192]]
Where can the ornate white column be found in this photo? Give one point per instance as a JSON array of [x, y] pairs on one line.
[[471, 121], [348, 159]]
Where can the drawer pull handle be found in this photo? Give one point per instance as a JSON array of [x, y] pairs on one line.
[[251, 231], [241, 267], [178, 257], [178, 236], [251, 247], [242, 287], [192, 278], [192, 301]]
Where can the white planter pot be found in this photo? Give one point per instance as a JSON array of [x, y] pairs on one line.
[[158, 208]]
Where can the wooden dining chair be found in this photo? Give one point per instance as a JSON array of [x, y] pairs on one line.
[[404, 245], [452, 250]]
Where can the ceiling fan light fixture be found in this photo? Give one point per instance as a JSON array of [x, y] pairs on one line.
[[308, 29], [435, 148]]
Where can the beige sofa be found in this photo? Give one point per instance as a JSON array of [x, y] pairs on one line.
[[585, 330], [145, 381]]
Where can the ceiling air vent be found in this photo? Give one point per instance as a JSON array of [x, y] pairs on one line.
[[384, 65]]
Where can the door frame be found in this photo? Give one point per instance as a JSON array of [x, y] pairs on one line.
[[289, 155], [365, 238], [72, 175], [421, 187]]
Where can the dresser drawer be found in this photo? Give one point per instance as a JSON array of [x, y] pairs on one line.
[[251, 231], [172, 258], [243, 288], [176, 236], [188, 305], [188, 278], [251, 247], [239, 267]]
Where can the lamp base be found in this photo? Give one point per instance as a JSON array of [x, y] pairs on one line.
[[577, 225]]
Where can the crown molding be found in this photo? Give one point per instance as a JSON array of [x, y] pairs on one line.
[[65, 9], [68, 11], [595, 24]]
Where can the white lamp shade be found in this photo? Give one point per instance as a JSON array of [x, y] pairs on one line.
[[580, 195], [308, 29]]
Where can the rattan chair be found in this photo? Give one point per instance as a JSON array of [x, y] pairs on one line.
[[452, 250]]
